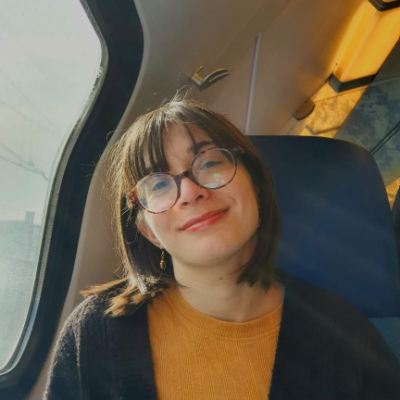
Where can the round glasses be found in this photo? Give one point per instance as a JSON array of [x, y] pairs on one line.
[[211, 169]]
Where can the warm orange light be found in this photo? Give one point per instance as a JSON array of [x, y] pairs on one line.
[[369, 40]]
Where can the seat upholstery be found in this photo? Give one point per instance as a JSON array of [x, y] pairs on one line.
[[337, 229], [389, 328], [396, 217]]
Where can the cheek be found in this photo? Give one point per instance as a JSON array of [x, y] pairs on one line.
[[159, 225], [243, 189], [250, 212]]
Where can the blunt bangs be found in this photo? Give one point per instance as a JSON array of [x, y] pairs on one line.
[[148, 146]]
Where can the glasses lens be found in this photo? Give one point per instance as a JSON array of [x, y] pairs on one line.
[[214, 168], [158, 192]]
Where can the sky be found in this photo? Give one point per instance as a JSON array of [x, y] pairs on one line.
[[50, 56]]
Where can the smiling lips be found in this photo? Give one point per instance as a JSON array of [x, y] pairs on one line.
[[203, 221]]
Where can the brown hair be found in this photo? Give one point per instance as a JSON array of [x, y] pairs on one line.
[[140, 259]]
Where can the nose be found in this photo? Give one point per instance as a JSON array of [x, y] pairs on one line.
[[191, 192]]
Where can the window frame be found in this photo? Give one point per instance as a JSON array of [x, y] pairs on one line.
[[123, 35]]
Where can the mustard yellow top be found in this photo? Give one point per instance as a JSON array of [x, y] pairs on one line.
[[199, 357]]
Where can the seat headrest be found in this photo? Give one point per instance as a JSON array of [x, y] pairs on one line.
[[337, 229]]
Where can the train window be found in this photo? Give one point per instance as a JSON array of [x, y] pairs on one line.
[[368, 116], [51, 69]]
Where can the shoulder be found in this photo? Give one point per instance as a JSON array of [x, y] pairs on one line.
[[91, 310], [87, 317], [335, 321], [91, 316], [325, 343], [88, 348], [315, 301]]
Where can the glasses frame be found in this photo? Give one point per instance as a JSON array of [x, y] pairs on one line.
[[133, 197]]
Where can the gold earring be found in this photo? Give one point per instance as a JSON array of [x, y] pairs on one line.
[[163, 264]]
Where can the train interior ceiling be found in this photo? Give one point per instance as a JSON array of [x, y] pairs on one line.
[[296, 68]]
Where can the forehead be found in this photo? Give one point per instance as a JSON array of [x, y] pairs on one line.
[[179, 144]]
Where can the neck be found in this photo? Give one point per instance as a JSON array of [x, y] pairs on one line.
[[214, 291]]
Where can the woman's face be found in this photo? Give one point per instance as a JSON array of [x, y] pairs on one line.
[[229, 234]]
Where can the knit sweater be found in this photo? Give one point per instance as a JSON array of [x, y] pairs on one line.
[[234, 358], [327, 350]]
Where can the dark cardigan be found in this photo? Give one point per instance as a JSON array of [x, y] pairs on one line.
[[326, 350]]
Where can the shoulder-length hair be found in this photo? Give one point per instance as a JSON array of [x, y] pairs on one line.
[[140, 259]]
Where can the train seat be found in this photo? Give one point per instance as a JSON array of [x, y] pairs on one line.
[[337, 229], [396, 217]]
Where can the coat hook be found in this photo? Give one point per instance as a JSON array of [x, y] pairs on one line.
[[204, 83]]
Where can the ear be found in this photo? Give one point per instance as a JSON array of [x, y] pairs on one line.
[[147, 232]]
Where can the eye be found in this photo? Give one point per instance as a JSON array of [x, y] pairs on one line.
[[160, 186], [210, 164]]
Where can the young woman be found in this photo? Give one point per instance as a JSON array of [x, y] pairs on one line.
[[202, 313]]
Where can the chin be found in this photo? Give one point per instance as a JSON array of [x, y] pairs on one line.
[[220, 249]]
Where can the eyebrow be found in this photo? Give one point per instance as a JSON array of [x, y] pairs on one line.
[[195, 149]]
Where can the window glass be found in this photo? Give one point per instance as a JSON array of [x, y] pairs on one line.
[[375, 124], [368, 116], [52, 59]]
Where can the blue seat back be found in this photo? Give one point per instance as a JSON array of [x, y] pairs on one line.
[[396, 217], [337, 229]]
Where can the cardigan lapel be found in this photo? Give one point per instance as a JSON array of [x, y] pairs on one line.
[[133, 360], [303, 368]]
